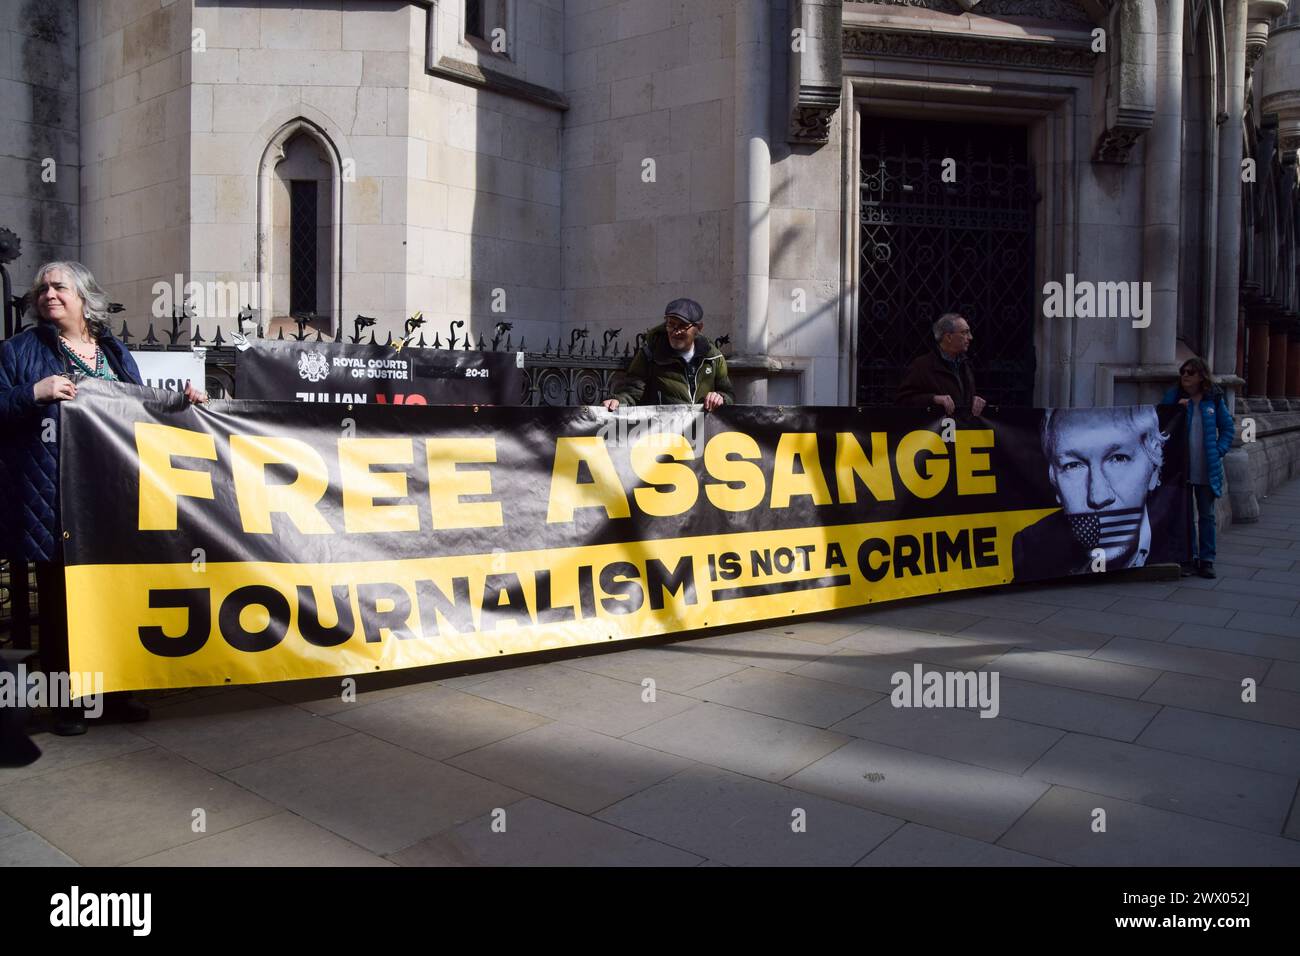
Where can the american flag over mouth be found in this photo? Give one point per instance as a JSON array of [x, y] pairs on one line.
[[1106, 529]]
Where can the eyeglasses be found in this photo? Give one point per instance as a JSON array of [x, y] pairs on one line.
[[1188, 372], [675, 327]]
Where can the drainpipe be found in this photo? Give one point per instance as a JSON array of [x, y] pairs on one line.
[[1162, 203], [751, 249]]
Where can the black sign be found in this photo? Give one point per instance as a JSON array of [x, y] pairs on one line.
[[376, 374]]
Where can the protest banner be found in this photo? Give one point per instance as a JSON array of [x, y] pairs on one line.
[[256, 542]]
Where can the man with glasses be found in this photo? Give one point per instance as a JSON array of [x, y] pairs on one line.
[[676, 366], [943, 376]]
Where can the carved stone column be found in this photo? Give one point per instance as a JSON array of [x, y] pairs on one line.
[[1278, 333], [1257, 336], [816, 65], [1293, 367], [1258, 13], [1162, 199], [1227, 294], [1130, 79], [752, 196], [1241, 343], [1280, 81]]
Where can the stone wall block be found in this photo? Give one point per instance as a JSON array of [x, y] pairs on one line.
[[475, 130], [546, 27], [828, 259], [427, 203], [215, 66], [362, 201], [536, 144], [577, 146], [228, 26], [620, 253], [696, 83], [119, 13], [236, 199], [218, 153], [469, 212], [381, 155], [446, 255], [590, 28], [161, 77], [384, 28], [307, 68], [203, 199], [646, 135], [698, 244], [632, 96], [794, 242], [712, 178], [454, 167], [155, 37], [697, 126], [582, 69], [339, 103], [542, 185], [638, 17], [308, 25], [668, 194], [239, 108], [589, 195], [591, 105], [390, 70]]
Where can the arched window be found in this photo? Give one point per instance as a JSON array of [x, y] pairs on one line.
[[299, 229]]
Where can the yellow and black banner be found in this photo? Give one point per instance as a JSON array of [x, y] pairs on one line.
[[243, 541]]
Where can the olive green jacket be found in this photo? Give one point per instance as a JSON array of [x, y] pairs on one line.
[[658, 376]]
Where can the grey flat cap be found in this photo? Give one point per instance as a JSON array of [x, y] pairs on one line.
[[688, 310]]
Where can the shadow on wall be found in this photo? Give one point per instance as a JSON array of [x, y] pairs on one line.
[[41, 201]]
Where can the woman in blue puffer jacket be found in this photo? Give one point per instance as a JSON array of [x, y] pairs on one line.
[[39, 368], [1210, 431]]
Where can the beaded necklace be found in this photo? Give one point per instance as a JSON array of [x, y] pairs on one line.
[[99, 371]]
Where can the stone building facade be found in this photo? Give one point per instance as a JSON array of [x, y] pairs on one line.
[[825, 176]]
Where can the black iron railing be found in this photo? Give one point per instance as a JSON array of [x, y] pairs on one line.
[[572, 372]]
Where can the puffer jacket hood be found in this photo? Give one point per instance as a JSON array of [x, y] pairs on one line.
[[29, 463]]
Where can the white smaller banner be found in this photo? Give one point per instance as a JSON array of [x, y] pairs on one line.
[[170, 370]]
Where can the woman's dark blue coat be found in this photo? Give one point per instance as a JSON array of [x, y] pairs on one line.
[[29, 465]]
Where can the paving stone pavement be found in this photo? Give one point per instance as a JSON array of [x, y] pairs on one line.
[[1140, 723]]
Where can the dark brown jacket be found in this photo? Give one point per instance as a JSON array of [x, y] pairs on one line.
[[929, 375]]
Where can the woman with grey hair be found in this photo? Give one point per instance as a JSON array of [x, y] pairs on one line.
[[39, 368]]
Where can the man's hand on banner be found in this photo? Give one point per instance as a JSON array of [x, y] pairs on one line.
[[712, 400], [611, 404], [195, 396], [945, 402], [977, 406]]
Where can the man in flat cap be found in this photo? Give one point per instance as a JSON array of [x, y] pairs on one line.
[[676, 366]]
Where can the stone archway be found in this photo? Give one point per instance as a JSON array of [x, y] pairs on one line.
[[299, 152]]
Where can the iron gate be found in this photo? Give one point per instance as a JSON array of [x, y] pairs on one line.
[[930, 247]]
